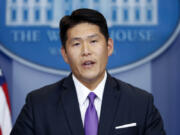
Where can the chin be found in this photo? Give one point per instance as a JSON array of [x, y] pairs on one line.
[[91, 77]]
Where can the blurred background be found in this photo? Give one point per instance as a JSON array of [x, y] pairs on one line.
[[147, 48]]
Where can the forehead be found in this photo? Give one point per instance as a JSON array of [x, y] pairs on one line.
[[83, 30]]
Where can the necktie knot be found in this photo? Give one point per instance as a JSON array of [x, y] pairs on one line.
[[91, 97]]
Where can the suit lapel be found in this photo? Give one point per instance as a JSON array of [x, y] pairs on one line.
[[109, 106], [71, 107]]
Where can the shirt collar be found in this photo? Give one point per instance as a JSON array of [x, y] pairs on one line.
[[82, 91]]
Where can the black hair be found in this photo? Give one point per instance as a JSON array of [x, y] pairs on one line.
[[80, 16]]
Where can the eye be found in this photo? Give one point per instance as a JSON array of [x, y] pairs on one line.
[[94, 41], [76, 44]]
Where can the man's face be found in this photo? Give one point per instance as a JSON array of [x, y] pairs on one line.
[[87, 52]]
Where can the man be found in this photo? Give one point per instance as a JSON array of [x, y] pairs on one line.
[[89, 101]]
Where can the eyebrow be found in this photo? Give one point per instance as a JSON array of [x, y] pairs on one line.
[[92, 36]]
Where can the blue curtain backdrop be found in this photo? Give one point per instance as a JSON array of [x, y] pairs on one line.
[[166, 86]]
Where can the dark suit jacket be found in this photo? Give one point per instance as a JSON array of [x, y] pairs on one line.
[[54, 110]]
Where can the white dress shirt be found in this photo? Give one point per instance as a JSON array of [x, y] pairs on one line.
[[83, 92]]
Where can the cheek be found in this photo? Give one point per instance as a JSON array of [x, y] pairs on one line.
[[73, 59], [103, 52], [103, 56]]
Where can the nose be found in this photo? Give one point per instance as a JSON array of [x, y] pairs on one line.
[[86, 50]]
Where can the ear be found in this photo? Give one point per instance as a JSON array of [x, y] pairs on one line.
[[110, 46], [64, 54]]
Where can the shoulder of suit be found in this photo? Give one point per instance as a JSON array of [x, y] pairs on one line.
[[50, 91], [53, 91], [130, 90]]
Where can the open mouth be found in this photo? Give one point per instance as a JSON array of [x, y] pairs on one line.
[[88, 63]]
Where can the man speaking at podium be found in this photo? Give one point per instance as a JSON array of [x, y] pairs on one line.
[[89, 101]]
